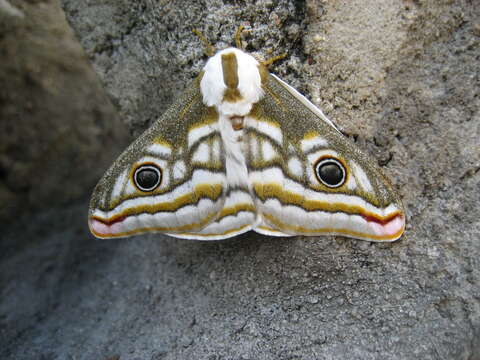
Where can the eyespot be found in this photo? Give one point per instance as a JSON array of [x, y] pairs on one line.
[[147, 177], [330, 172]]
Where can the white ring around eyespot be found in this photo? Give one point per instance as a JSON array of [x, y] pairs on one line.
[[324, 160], [147, 167]]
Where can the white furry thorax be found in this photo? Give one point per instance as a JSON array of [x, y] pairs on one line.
[[212, 85]]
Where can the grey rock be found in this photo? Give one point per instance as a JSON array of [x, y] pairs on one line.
[[399, 77], [7, 10], [58, 131]]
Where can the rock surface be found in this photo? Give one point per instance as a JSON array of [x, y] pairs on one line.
[[400, 77], [57, 128]]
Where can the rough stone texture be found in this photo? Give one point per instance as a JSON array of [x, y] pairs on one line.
[[400, 77], [57, 128]]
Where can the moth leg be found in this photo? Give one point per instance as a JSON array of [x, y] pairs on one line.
[[209, 48]]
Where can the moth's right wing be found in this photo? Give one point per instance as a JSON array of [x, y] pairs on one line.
[[308, 179]]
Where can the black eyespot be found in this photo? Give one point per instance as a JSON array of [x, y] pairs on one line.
[[147, 177], [330, 172]]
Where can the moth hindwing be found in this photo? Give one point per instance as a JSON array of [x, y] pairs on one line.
[[242, 150]]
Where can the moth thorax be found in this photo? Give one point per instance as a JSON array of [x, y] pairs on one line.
[[231, 82]]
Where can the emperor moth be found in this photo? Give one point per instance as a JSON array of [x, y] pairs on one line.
[[242, 150]]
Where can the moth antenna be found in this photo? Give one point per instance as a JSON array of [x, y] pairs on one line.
[[209, 48], [270, 61], [238, 37]]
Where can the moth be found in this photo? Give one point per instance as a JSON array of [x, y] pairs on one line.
[[242, 150]]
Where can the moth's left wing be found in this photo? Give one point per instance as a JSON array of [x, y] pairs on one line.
[[308, 179], [173, 179]]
